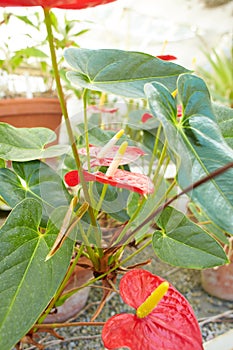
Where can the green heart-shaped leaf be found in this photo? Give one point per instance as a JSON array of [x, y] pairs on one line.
[[23, 144], [119, 72], [182, 243], [33, 179], [197, 144], [27, 282]]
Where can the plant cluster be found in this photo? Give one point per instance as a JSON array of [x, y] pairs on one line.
[[57, 214]]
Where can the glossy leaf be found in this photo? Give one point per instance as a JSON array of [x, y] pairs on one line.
[[183, 243], [197, 145], [119, 72], [33, 179], [224, 116], [24, 144], [27, 282], [171, 325], [71, 4]]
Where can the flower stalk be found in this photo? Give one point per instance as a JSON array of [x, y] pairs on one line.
[[65, 112]]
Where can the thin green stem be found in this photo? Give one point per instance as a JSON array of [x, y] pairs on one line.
[[102, 196], [65, 112], [85, 99], [115, 267], [154, 149], [62, 286], [161, 160], [133, 217]]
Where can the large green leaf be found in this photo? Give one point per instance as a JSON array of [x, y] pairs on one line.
[[182, 243], [224, 116], [197, 144], [23, 144], [33, 179], [119, 72], [27, 282]]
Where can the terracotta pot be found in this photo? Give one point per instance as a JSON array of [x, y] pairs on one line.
[[77, 301], [219, 281], [29, 113]]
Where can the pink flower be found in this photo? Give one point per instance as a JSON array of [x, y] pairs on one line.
[[179, 111], [171, 325], [131, 154], [68, 4], [97, 109], [123, 179]]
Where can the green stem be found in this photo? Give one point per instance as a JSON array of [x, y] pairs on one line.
[[103, 193], [155, 149], [62, 286], [161, 160], [65, 112], [121, 263], [85, 98], [133, 217]]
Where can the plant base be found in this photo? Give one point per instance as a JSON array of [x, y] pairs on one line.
[[77, 301]]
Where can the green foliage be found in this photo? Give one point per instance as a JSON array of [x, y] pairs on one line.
[[224, 116], [27, 281], [197, 145], [182, 243], [119, 72], [24, 144], [35, 180], [219, 75]]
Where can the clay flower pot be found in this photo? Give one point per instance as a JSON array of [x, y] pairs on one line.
[[219, 281], [30, 113]]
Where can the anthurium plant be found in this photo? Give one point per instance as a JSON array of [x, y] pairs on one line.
[[118, 173]]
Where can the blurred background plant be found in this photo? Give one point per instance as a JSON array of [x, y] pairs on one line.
[[218, 74], [27, 70]]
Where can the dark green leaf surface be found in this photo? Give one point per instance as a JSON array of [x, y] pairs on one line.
[[224, 116], [33, 179], [27, 282], [23, 144], [182, 243], [198, 146], [119, 72]]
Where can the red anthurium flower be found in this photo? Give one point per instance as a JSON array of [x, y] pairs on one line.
[[68, 4], [123, 179], [131, 154], [167, 57], [145, 117], [170, 325]]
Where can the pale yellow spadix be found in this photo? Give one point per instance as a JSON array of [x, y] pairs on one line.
[[110, 143], [152, 301], [117, 159]]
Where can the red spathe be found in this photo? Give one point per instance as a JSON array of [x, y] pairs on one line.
[[68, 4]]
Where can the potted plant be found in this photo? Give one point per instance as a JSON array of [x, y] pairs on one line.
[[56, 216], [37, 104]]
